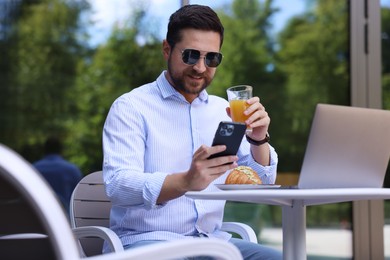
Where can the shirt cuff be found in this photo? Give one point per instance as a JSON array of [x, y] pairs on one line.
[[152, 189], [267, 173]]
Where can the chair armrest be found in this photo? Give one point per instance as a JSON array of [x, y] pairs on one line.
[[244, 230], [219, 249], [101, 232]]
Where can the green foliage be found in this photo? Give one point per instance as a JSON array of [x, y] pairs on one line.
[[59, 87], [245, 49], [115, 68], [42, 64], [316, 65]]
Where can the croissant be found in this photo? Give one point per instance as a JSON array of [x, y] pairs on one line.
[[243, 175]]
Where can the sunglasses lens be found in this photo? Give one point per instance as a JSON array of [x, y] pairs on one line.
[[213, 59], [191, 57]]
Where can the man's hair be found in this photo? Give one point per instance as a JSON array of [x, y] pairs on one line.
[[197, 17], [53, 146]]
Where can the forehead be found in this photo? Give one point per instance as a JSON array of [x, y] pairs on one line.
[[200, 40]]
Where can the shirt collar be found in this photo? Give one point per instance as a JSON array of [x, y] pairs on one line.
[[168, 90]]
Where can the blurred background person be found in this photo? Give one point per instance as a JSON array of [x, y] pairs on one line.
[[62, 175]]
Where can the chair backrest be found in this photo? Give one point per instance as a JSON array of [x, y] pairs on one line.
[[90, 206], [33, 224]]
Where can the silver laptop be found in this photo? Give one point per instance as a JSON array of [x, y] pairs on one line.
[[348, 147]]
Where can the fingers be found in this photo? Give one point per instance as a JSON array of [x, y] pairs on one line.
[[204, 152], [203, 170], [228, 112], [258, 115], [220, 170], [213, 166]]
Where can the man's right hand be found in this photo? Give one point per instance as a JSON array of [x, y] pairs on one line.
[[202, 172]]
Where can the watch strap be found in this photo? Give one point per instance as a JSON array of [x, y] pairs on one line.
[[258, 143]]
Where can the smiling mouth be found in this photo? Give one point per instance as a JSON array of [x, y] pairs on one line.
[[197, 77]]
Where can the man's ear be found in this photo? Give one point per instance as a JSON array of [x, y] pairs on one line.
[[166, 49]]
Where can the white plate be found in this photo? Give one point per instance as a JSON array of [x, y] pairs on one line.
[[246, 186]]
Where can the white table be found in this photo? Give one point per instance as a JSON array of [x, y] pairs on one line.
[[294, 202]]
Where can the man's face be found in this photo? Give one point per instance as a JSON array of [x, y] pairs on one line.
[[190, 80]]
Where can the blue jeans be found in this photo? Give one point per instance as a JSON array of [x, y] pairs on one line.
[[249, 251]]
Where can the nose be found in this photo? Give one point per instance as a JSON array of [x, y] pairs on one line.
[[200, 65]]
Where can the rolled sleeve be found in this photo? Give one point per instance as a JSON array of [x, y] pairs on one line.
[[152, 189]]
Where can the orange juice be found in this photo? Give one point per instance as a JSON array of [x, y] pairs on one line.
[[237, 108]]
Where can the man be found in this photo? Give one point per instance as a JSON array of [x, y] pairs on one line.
[[156, 141], [62, 175]]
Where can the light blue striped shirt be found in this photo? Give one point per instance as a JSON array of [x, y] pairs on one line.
[[152, 132]]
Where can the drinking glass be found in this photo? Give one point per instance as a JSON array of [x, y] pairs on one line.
[[237, 96]]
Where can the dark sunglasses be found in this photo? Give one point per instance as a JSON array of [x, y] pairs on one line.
[[191, 57]]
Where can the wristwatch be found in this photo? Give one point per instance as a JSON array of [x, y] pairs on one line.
[[258, 143]]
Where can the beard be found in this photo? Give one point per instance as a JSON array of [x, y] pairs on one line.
[[181, 85]]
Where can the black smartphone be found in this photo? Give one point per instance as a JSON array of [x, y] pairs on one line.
[[229, 134]]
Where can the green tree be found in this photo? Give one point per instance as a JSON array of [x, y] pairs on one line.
[[8, 17], [246, 47], [316, 65], [43, 66], [116, 67]]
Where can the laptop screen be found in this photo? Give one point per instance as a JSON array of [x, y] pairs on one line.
[[347, 147]]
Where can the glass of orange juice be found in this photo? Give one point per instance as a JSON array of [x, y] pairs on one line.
[[237, 96]]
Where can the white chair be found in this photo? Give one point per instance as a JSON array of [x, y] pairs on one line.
[[33, 224], [90, 206]]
